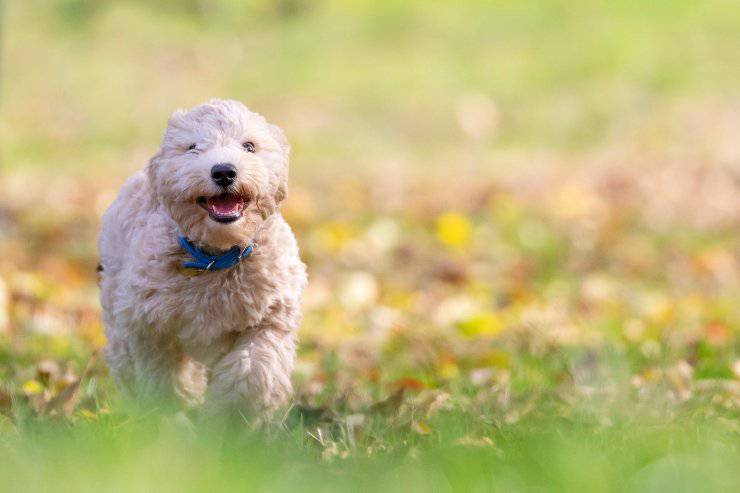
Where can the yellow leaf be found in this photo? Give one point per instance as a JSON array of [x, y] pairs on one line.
[[482, 324], [448, 369], [333, 236], [421, 428], [32, 387], [454, 230], [658, 308], [93, 332], [497, 359]]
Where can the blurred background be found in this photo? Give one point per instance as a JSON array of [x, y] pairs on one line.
[[523, 207]]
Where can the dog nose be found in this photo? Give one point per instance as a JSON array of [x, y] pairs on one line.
[[223, 174]]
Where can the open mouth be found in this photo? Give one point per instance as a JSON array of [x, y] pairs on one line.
[[223, 208]]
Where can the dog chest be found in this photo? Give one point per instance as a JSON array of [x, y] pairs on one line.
[[227, 301]]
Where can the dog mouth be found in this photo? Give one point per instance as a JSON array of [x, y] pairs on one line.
[[225, 207]]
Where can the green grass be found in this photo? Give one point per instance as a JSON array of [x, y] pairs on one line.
[[519, 219], [92, 82], [124, 454]]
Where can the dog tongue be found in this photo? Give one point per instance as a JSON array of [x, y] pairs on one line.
[[225, 204]]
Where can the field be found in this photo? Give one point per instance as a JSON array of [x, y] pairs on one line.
[[521, 223]]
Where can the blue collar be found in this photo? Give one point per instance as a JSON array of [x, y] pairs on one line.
[[204, 261]]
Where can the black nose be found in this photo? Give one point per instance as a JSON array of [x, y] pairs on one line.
[[223, 174]]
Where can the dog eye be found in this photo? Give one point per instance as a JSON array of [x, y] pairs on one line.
[[248, 146], [192, 147]]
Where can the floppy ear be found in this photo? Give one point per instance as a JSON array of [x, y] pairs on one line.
[[282, 189], [175, 121], [150, 172], [279, 136]]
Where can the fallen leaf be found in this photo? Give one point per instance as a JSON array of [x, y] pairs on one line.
[[390, 405], [454, 230], [717, 334], [421, 428], [32, 387], [47, 372], [482, 324], [448, 370], [64, 402], [469, 441], [409, 383], [430, 402]]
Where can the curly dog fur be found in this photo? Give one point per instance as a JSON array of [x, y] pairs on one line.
[[226, 338]]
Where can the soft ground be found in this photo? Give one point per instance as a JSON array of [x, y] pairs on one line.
[[521, 221]]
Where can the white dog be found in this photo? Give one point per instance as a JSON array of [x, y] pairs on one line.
[[201, 282]]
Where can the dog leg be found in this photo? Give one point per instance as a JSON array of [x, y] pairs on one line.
[[191, 381], [121, 365], [156, 361], [254, 377]]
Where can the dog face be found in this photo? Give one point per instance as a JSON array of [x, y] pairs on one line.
[[222, 170]]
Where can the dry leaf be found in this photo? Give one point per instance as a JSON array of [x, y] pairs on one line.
[[391, 405]]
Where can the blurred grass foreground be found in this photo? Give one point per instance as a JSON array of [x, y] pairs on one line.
[[521, 221]]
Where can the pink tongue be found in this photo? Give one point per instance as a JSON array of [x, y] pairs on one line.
[[224, 204]]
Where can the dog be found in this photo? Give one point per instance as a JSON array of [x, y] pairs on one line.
[[200, 276]]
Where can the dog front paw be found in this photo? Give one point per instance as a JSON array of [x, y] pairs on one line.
[[251, 382]]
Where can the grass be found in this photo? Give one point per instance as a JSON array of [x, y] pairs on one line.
[[520, 221], [684, 454], [95, 82]]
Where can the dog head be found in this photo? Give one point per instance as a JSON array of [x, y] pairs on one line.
[[222, 170]]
